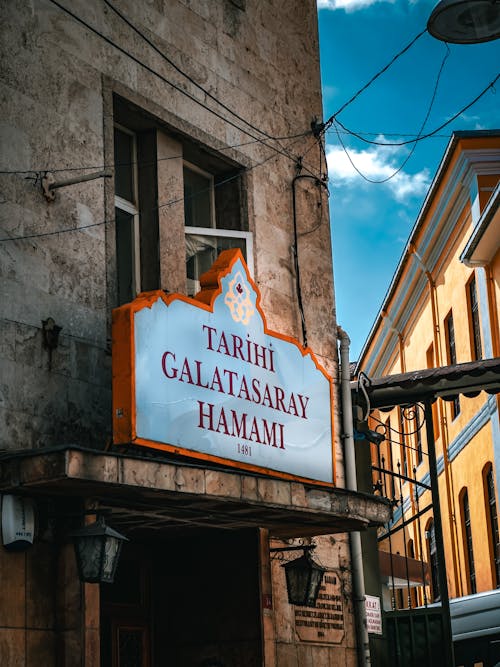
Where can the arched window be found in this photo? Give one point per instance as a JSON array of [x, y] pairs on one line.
[[390, 488], [410, 550], [492, 521], [430, 535], [467, 539]]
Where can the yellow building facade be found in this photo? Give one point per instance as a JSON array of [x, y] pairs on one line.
[[442, 310]]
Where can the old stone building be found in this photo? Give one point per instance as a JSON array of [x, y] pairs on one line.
[[138, 141]]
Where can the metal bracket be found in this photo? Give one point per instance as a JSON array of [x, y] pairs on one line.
[[49, 183]]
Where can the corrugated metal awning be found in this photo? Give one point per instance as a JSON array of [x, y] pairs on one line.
[[445, 382]]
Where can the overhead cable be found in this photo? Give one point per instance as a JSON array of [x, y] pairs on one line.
[[448, 135], [176, 87], [407, 158], [184, 74], [330, 121], [136, 163], [428, 134], [171, 202]]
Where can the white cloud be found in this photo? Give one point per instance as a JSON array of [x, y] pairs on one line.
[[474, 122], [376, 163], [348, 5]]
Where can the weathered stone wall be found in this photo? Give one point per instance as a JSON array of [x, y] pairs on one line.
[[324, 635], [259, 59]]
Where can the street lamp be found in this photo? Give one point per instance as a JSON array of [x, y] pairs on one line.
[[303, 580], [465, 21], [97, 550]]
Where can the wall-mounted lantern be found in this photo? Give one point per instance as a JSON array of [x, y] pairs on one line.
[[303, 580], [303, 576], [97, 550]]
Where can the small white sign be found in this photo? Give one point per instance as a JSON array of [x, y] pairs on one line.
[[373, 615]]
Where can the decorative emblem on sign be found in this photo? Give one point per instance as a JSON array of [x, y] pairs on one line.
[[205, 377], [238, 300]]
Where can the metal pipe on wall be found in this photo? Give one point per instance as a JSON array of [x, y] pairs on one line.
[[358, 579]]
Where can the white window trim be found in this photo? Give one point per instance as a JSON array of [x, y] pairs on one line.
[[126, 206], [228, 233]]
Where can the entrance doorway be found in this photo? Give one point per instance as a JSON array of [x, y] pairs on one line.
[[192, 601]]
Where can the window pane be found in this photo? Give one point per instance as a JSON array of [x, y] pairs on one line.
[[201, 253], [197, 199], [492, 506], [124, 167], [452, 358], [125, 255], [433, 563], [474, 314], [469, 552]]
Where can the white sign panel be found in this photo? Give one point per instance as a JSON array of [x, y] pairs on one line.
[[213, 380], [373, 614]]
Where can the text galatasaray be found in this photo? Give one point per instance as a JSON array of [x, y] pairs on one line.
[[232, 383]]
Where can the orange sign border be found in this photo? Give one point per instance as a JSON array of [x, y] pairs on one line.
[[123, 366]]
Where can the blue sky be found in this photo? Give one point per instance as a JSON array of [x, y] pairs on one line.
[[371, 222]]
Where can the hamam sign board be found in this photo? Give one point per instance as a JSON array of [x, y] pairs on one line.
[[206, 378]]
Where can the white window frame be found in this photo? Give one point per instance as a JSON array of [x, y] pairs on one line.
[[125, 206], [217, 231], [130, 207], [227, 233]]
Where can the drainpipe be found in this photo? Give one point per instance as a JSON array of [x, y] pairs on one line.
[[448, 473], [351, 484]]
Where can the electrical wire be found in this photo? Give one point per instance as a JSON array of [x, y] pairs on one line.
[[149, 69], [330, 121], [419, 137], [428, 134], [414, 146], [184, 74], [389, 134], [176, 87], [171, 202], [320, 183], [295, 247], [136, 163]]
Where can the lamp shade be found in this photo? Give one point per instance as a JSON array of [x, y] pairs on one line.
[[303, 580], [97, 550], [465, 21]]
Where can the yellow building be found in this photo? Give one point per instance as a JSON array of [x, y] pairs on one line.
[[441, 310]]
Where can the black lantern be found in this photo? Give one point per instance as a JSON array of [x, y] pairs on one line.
[[97, 550], [303, 580]]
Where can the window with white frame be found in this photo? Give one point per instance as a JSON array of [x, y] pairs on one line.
[[204, 239], [168, 187], [126, 215]]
